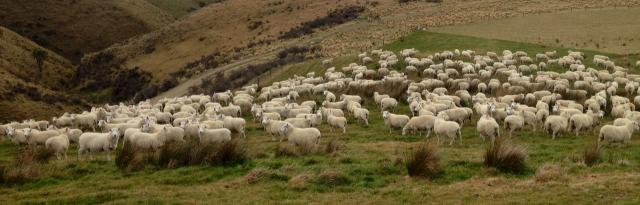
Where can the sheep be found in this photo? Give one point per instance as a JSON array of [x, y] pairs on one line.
[[584, 121], [63, 121], [331, 111], [459, 115], [98, 142], [230, 110], [301, 136], [488, 127], [299, 122], [361, 114], [513, 122], [388, 104], [443, 127], [234, 124], [314, 119], [74, 135], [394, 120], [337, 122], [143, 140], [17, 136], [556, 124], [221, 135], [329, 96], [37, 137], [273, 127], [419, 123], [88, 120], [621, 134], [59, 145], [377, 97]]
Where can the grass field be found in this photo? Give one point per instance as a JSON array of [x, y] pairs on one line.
[[611, 30], [368, 168]]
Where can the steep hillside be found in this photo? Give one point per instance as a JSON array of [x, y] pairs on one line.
[[73, 28], [24, 93], [181, 8]]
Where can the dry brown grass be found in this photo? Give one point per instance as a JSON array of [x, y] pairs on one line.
[[550, 172], [256, 175], [424, 161], [26, 166], [592, 155], [506, 157]]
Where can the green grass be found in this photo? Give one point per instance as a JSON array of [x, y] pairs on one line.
[[369, 165]]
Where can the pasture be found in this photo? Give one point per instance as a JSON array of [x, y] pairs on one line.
[[608, 30], [368, 168]]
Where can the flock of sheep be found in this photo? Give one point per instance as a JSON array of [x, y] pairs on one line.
[[511, 90]]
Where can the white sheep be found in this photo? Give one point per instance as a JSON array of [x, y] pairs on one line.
[[98, 142], [299, 122], [388, 104], [394, 120], [329, 96], [17, 136], [301, 136], [37, 137], [235, 124], [361, 114], [88, 120], [273, 127], [584, 121], [58, 144], [213, 135], [621, 134], [378, 97], [488, 127], [337, 122], [419, 123], [143, 140], [443, 127], [513, 122], [556, 124]]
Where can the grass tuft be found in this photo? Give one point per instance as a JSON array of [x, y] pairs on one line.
[[424, 162], [506, 157], [332, 178], [549, 172], [26, 166], [592, 155]]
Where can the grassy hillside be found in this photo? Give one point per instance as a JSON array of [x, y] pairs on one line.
[[369, 168], [25, 92], [73, 28], [180, 8], [609, 30]]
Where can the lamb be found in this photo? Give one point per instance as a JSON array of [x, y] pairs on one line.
[[394, 120], [442, 127], [361, 114], [419, 123], [556, 124], [488, 127], [621, 134], [58, 144], [98, 142], [337, 122], [213, 135], [388, 104], [306, 137], [37, 137]]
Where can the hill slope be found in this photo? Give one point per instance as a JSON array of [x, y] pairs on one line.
[[22, 93], [73, 28]]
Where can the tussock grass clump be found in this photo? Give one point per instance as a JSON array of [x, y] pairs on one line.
[[549, 172], [424, 161], [26, 166], [256, 175], [333, 146], [332, 178], [506, 157], [289, 150], [183, 153], [592, 155], [299, 181]]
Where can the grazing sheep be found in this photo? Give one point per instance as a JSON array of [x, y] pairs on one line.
[[59, 145], [620, 134], [37, 137], [388, 104], [419, 123], [394, 120], [329, 96], [213, 135], [488, 127], [299, 122], [361, 114], [337, 122], [98, 142], [301, 136], [556, 124], [443, 127]]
